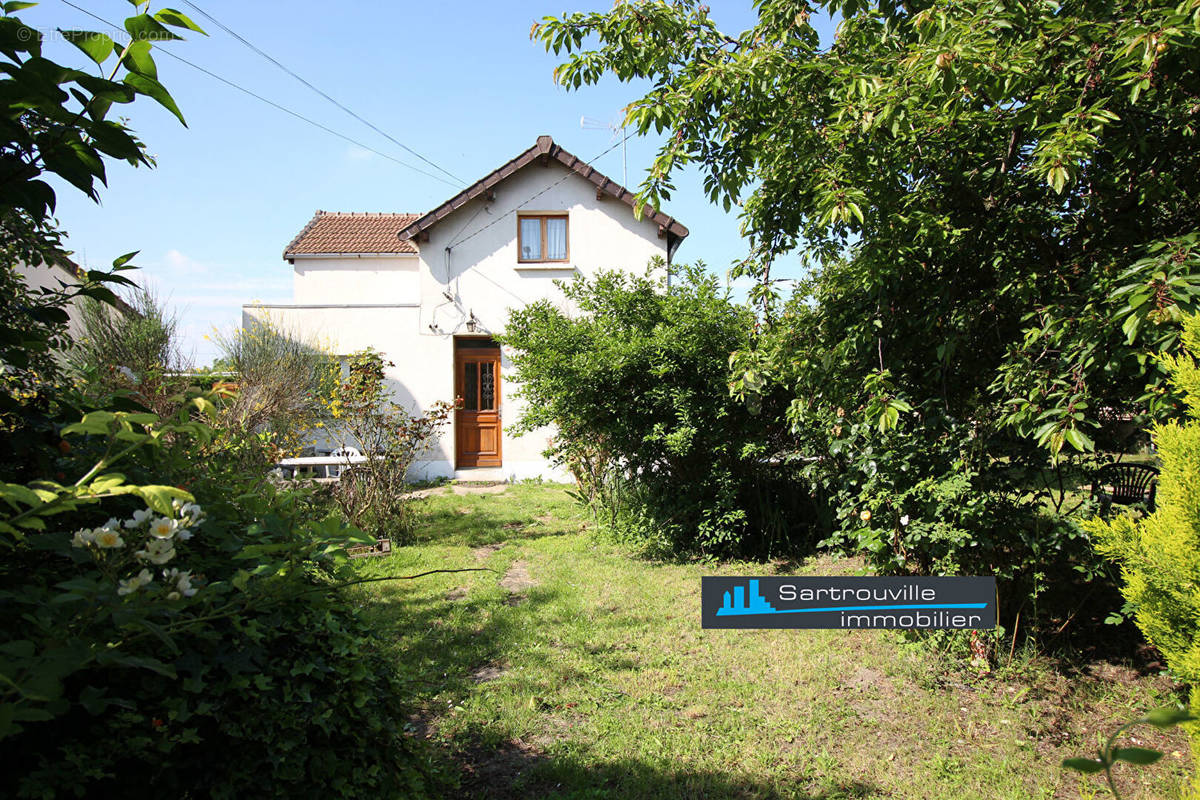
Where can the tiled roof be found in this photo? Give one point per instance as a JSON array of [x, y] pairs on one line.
[[546, 150], [339, 232], [330, 232]]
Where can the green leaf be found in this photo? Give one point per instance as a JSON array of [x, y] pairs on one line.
[[107, 482], [18, 37], [152, 88], [1136, 755], [178, 19], [16, 5], [205, 406], [97, 46], [137, 59], [1079, 440], [139, 662], [159, 497], [1132, 323], [1057, 179], [1167, 717], [95, 422], [13, 493], [1086, 765], [144, 26], [93, 700]]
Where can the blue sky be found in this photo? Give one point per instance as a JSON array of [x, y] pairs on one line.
[[459, 82]]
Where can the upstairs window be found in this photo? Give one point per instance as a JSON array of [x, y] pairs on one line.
[[542, 237]]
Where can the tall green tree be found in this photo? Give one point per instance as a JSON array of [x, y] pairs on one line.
[[998, 198], [59, 121]]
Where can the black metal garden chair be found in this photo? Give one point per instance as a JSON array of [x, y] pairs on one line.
[[1125, 485]]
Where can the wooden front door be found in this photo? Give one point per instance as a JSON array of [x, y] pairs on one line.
[[477, 387]]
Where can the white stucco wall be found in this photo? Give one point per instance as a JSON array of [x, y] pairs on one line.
[[469, 265], [357, 279]]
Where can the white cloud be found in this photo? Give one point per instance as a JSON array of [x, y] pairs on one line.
[[208, 295], [177, 262]]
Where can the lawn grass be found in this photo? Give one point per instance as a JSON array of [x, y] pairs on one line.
[[577, 671]]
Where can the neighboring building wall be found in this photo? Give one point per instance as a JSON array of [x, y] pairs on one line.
[[45, 276], [469, 265]]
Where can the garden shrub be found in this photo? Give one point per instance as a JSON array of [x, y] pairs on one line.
[[636, 384], [1159, 555], [360, 413], [926, 500], [133, 349], [923, 479], [183, 649], [281, 380]]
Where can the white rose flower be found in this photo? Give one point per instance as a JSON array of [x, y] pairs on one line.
[[163, 528], [157, 551], [107, 538], [138, 518], [82, 538], [904, 520], [192, 513], [183, 533], [182, 580], [131, 585]]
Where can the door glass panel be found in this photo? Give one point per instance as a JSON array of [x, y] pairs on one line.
[[470, 387], [487, 386]]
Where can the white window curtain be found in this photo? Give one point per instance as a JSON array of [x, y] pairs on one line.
[[556, 239], [531, 239]]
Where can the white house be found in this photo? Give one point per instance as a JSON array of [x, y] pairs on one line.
[[428, 290]]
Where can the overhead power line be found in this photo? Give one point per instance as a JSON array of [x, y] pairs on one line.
[[333, 100], [269, 102]]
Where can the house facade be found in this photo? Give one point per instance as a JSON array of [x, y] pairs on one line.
[[429, 290]]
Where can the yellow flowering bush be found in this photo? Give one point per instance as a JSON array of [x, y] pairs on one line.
[[1159, 556]]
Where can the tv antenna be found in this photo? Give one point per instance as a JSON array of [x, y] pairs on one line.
[[616, 128]]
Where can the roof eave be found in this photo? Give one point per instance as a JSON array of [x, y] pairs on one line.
[[356, 254], [545, 148]]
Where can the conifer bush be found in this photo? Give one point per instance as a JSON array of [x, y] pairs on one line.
[[1160, 555]]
